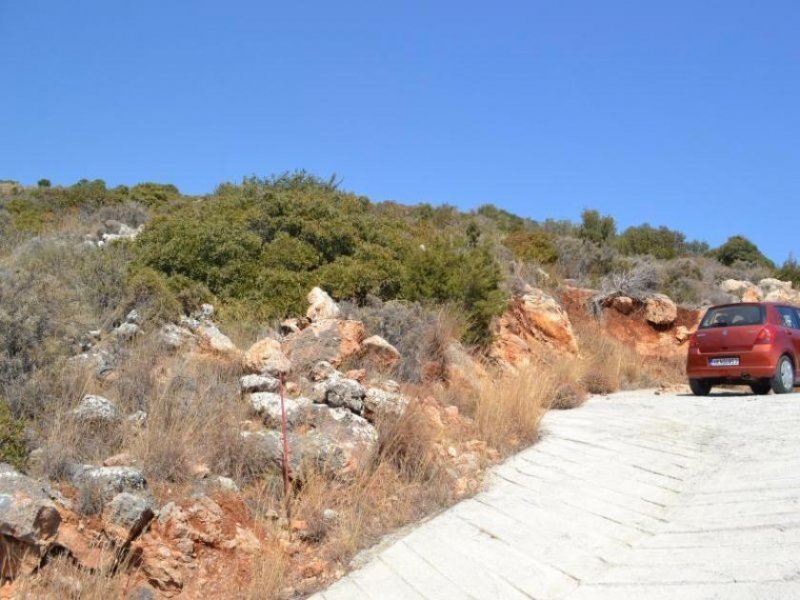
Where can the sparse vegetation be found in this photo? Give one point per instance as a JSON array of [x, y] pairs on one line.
[[429, 280]]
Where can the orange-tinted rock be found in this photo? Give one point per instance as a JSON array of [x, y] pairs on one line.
[[380, 353], [660, 310], [532, 322], [332, 340], [267, 357]]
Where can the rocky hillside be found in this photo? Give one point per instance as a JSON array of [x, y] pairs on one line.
[[153, 347]]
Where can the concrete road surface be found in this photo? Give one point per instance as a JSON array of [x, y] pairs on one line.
[[632, 496]]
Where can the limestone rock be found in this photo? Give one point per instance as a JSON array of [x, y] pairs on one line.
[[770, 285], [125, 516], [321, 370], [330, 340], [379, 402], [338, 391], [175, 337], [268, 406], [259, 383], [29, 521], [97, 409], [321, 306], [211, 338], [380, 353], [660, 310], [267, 358], [106, 481]]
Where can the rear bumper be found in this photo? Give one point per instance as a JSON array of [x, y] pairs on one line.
[[758, 363]]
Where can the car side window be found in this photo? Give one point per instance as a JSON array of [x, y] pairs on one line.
[[797, 318], [789, 317]]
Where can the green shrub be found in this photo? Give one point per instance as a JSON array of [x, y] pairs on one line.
[[12, 440], [739, 248], [659, 242], [596, 228], [148, 291], [789, 271], [265, 243], [532, 246]]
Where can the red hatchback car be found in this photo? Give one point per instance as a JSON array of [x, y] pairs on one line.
[[755, 344]]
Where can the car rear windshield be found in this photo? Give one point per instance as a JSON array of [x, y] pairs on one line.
[[733, 316]]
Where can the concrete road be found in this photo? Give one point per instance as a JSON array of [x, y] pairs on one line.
[[633, 496]]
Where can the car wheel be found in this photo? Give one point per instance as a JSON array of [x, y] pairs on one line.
[[761, 388], [783, 380], [700, 387]]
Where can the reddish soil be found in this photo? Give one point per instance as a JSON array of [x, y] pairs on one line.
[[632, 329]]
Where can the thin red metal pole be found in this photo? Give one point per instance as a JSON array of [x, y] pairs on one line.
[[286, 487]]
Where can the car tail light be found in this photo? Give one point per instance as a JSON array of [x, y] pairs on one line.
[[764, 336]]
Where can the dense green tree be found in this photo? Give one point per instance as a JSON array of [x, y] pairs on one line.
[[43, 183], [597, 228], [660, 242], [739, 248]]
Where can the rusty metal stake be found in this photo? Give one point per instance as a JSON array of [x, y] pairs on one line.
[[286, 484]]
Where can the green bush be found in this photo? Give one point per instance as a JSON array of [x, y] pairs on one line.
[[12, 440], [532, 246], [739, 248], [265, 243], [789, 271], [660, 242]]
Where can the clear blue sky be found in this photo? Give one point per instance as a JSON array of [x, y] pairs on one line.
[[683, 113]]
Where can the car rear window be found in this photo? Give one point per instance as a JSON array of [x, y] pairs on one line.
[[733, 316]]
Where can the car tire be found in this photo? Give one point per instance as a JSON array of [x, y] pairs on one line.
[[783, 380], [761, 388], [700, 387]]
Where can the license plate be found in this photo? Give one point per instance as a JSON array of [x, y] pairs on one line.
[[724, 362]]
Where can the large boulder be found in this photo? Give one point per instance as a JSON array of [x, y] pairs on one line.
[[259, 383], [338, 391], [267, 405], [267, 358], [321, 306], [379, 403], [340, 442], [660, 310], [770, 285], [775, 290], [29, 522], [125, 516], [106, 482], [96, 409], [744, 290], [331, 340], [380, 353], [335, 441]]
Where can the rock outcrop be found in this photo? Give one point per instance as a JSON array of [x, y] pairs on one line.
[[534, 321], [331, 340], [768, 290], [29, 522]]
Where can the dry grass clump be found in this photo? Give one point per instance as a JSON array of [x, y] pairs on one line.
[[508, 411], [63, 580]]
